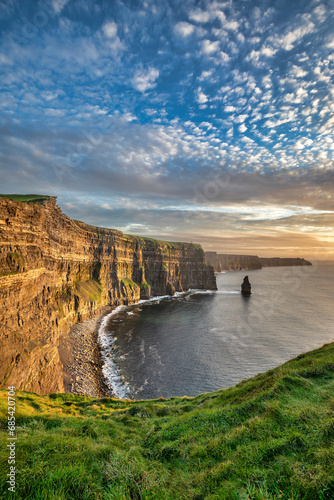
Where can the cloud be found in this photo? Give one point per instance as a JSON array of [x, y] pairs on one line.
[[294, 36], [240, 118], [297, 72], [110, 29], [145, 79], [231, 25], [224, 57], [77, 115], [206, 74], [58, 5], [184, 29], [268, 51], [113, 42], [209, 47], [201, 97], [199, 16]]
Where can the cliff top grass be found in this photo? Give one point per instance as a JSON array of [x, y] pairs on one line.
[[27, 198], [141, 240], [151, 242], [269, 437]]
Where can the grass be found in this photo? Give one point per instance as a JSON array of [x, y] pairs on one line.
[[27, 198], [14, 264], [269, 437], [129, 283], [89, 290], [167, 245]]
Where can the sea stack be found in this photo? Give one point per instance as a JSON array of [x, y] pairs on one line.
[[246, 287]]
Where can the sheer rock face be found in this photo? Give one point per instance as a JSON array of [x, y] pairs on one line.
[[55, 272]]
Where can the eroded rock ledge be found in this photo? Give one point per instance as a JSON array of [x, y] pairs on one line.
[[55, 272]]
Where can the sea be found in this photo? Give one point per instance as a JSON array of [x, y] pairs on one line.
[[201, 340]]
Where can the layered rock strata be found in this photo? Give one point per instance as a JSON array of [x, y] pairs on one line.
[[55, 272], [228, 262]]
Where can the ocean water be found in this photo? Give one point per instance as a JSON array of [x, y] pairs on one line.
[[202, 341]]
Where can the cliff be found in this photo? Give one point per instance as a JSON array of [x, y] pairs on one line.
[[55, 272], [278, 261], [227, 262]]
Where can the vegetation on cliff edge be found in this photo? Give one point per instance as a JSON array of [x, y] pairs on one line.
[[168, 245], [26, 198], [269, 437]]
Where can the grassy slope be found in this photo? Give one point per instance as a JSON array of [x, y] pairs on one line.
[[28, 198], [269, 437]]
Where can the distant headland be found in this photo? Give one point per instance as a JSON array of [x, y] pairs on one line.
[[229, 262]]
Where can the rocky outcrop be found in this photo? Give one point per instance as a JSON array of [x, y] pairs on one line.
[[227, 262], [279, 261], [246, 288], [55, 272]]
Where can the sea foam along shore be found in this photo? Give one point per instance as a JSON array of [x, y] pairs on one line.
[[110, 370]]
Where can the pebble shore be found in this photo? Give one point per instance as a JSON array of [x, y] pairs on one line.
[[82, 360]]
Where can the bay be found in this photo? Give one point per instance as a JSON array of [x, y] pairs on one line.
[[203, 341]]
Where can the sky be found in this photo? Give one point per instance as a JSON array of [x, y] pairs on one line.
[[205, 121]]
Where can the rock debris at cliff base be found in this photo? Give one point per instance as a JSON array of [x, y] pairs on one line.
[[81, 358]]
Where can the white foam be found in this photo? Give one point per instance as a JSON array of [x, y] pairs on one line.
[[154, 299], [110, 370]]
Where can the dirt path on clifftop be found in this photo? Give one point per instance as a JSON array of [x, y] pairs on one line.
[[81, 358]]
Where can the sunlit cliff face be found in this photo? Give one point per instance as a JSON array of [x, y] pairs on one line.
[[202, 121]]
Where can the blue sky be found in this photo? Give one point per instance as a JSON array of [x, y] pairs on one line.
[[198, 121]]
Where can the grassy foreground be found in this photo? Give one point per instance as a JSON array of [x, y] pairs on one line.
[[269, 437]]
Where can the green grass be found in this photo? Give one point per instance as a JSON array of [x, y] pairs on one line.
[[129, 283], [89, 290], [8, 273], [27, 198], [145, 285], [269, 437]]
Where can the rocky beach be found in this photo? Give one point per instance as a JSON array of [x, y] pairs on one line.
[[81, 358]]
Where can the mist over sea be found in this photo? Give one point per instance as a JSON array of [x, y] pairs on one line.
[[205, 341]]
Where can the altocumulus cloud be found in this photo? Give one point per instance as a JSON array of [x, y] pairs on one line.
[[215, 119]]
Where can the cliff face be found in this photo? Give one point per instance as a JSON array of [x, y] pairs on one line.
[[55, 272], [279, 261], [225, 262]]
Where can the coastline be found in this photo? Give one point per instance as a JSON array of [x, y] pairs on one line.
[[80, 354]]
